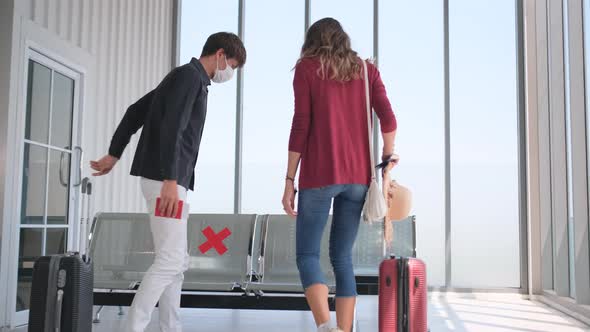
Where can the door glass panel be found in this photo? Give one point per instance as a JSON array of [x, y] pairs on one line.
[[58, 187], [38, 98], [34, 173], [31, 242], [56, 241], [61, 111]]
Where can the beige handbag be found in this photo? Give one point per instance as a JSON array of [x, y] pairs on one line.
[[375, 207], [399, 204]]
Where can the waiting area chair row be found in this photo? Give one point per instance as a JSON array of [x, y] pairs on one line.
[[231, 252]]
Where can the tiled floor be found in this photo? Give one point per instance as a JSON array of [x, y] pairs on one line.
[[459, 313]]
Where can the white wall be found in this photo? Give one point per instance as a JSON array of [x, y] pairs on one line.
[[131, 42]]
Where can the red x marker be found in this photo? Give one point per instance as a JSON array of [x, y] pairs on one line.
[[214, 240]]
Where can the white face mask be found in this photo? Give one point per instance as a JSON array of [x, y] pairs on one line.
[[223, 75]]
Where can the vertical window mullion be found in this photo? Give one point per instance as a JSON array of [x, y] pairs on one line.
[[579, 168], [558, 148], [48, 152]]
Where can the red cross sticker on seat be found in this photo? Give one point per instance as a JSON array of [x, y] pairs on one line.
[[214, 240]]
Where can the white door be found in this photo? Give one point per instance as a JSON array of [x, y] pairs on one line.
[[49, 173]]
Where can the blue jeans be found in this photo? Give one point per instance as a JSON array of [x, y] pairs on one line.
[[313, 211]]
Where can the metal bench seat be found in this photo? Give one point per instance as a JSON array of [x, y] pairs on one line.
[[260, 254], [122, 250], [277, 266], [259, 257], [277, 258], [214, 271]]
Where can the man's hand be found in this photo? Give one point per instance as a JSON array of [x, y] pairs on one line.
[[104, 165], [169, 199]]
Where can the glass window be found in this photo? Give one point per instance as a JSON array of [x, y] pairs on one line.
[[484, 128], [58, 188], [412, 69], [30, 248], [34, 184], [484, 144], [62, 111], [37, 126], [355, 17], [56, 241], [214, 177], [268, 100]]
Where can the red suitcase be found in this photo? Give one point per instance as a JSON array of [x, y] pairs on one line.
[[403, 295]]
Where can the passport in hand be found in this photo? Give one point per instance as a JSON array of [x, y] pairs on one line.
[[178, 211]]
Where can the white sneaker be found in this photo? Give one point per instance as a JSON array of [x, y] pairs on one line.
[[325, 327]]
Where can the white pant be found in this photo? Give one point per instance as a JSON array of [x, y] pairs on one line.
[[163, 280]]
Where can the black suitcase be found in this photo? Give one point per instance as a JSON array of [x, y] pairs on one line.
[[62, 294], [62, 289]]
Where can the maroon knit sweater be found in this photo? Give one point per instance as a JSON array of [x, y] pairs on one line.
[[330, 126]]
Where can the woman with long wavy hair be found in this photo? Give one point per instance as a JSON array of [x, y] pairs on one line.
[[329, 135]]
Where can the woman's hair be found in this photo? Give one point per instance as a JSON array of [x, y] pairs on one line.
[[327, 41]]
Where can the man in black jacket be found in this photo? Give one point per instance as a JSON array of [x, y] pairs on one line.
[[172, 116]]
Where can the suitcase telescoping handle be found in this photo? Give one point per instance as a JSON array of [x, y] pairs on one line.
[[87, 225], [85, 217]]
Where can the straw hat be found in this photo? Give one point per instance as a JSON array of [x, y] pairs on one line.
[[399, 204]]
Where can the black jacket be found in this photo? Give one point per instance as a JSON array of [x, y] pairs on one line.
[[172, 116]]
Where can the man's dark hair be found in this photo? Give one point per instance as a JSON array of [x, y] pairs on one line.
[[230, 43]]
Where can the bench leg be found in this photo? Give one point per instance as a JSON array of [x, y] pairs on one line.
[[121, 312], [97, 316]]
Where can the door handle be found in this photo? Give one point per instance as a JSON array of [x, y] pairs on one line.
[[80, 153], [61, 163], [63, 181]]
